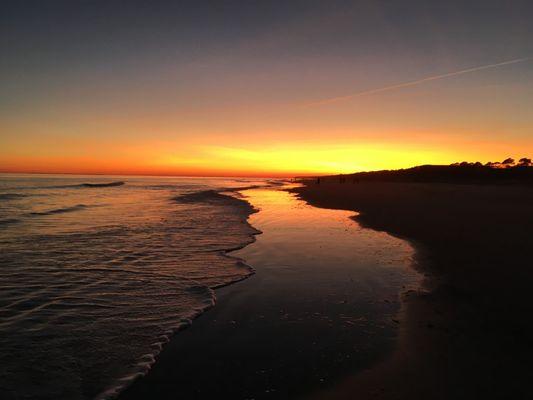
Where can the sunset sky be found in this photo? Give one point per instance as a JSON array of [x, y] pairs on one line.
[[262, 88]]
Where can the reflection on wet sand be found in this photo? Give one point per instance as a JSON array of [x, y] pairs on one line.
[[321, 304]]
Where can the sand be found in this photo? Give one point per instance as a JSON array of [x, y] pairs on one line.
[[469, 334], [466, 335], [320, 307]]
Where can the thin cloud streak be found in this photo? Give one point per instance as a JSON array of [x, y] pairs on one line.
[[413, 83]]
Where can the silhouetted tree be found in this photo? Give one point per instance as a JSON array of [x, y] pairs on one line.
[[508, 162], [525, 162]]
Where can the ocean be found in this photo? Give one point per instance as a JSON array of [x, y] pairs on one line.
[[97, 273]]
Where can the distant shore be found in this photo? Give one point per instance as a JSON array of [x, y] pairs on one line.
[[469, 335]]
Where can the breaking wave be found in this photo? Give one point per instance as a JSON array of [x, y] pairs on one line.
[[77, 207], [11, 196], [9, 221], [110, 184], [89, 303]]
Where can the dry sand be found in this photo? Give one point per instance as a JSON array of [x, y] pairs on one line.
[[468, 336]]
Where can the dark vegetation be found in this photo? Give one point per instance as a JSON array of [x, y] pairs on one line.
[[506, 172]]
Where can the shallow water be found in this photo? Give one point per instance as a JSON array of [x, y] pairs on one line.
[[299, 238], [94, 280], [330, 290], [321, 305]]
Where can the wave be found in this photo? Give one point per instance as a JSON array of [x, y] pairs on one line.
[[81, 185], [77, 207], [110, 184], [164, 186], [204, 196], [212, 195], [8, 221], [278, 182], [11, 196], [146, 362], [177, 280]]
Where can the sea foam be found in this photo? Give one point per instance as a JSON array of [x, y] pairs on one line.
[[90, 298]]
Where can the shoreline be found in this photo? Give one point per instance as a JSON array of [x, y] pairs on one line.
[[268, 336], [245, 209], [466, 337]]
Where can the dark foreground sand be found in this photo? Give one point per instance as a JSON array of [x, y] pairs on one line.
[[471, 335]]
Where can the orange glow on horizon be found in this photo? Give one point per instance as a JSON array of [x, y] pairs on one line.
[[303, 90], [234, 131], [288, 160]]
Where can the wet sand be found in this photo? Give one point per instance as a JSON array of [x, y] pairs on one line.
[[469, 335], [322, 305]]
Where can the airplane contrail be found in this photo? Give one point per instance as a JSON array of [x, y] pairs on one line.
[[413, 83]]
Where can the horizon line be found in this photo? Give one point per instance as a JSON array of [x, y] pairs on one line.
[[284, 175]]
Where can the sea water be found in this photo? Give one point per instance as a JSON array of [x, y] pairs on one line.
[[96, 273]]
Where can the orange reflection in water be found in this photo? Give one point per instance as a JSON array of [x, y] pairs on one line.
[[301, 238]]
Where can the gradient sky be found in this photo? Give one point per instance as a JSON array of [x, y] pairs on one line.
[[262, 88]]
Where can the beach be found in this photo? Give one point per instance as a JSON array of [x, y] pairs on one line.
[[323, 304], [266, 200], [95, 277], [266, 290], [467, 335]]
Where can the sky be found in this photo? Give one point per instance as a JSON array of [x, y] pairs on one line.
[[262, 88]]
